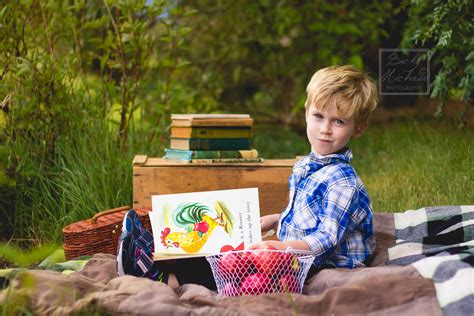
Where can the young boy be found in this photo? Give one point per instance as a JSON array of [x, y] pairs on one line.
[[329, 211]]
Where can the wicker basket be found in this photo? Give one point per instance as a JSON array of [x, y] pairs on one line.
[[99, 234]]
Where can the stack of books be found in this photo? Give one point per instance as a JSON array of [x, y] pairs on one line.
[[211, 138]]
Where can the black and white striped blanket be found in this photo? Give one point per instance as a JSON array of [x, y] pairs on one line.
[[439, 243]]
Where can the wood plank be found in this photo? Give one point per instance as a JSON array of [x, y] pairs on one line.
[[139, 160], [271, 178]]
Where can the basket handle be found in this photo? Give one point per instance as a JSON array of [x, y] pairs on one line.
[[114, 210]]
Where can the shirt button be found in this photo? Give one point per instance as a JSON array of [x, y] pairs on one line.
[[307, 168]]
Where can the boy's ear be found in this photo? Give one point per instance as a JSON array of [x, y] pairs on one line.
[[360, 129]]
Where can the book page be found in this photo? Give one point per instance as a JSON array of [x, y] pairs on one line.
[[208, 116], [202, 223]]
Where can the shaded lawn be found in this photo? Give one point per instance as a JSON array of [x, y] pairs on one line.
[[405, 164]]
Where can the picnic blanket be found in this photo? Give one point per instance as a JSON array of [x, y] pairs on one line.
[[402, 279], [439, 243]]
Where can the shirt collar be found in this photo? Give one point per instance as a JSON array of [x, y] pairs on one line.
[[314, 161]]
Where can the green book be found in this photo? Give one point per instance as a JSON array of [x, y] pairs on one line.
[[228, 160], [189, 155], [210, 143], [211, 132]]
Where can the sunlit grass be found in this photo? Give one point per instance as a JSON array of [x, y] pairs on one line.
[[404, 165], [408, 165]]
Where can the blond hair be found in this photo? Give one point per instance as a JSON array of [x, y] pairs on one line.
[[347, 88]]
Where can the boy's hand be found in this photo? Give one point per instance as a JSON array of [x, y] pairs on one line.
[[269, 222]]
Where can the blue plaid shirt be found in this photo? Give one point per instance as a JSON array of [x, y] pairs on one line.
[[330, 210]]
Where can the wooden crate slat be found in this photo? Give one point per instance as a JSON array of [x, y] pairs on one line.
[[160, 176]]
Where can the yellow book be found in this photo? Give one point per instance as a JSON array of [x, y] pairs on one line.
[[211, 132]]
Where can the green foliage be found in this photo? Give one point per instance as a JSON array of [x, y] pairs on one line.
[[446, 28], [16, 302], [23, 258], [257, 56], [85, 86]]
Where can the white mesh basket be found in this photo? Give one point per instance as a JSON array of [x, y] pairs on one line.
[[260, 271]]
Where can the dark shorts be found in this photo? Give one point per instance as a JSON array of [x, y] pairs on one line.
[[313, 270], [190, 270]]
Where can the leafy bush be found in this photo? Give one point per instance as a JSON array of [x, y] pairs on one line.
[[257, 56], [85, 86], [446, 28]]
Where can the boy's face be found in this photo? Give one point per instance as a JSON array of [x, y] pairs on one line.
[[328, 131]]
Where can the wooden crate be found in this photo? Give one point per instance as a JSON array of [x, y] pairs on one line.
[[153, 176]]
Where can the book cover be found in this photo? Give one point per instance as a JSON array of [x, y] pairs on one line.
[[202, 223], [228, 160], [212, 122], [211, 132], [188, 155], [210, 143]]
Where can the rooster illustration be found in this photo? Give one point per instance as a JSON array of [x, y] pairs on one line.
[[197, 220]]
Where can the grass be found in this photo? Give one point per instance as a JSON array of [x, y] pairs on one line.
[[279, 142], [408, 165], [90, 175], [405, 165]]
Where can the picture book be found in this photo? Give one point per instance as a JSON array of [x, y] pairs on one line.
[[188, 155], [210, 143], [211, 132], [202, 223]]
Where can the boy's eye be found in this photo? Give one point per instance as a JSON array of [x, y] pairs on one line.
[[339, 122], [317, 115]]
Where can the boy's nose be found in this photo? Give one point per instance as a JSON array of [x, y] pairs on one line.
[[325, 128]]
